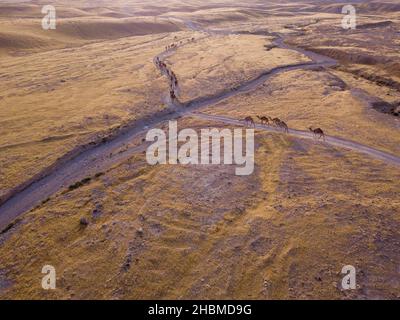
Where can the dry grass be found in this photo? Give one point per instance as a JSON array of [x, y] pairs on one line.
[[318, 99], [215, 64], [284, 232], [199, 232], [67, 97]]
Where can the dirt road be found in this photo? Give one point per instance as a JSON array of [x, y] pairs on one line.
[[334, 141]]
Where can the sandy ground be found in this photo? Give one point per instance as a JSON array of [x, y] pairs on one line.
[[200, 231]]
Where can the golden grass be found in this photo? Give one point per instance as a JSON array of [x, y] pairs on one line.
[[200, 232], [215, 64], [315, 98], [54, 100], [306, 212]]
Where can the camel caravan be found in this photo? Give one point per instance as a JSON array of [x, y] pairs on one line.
[[176, 45], [271, 121], [318, 133], [173, 80]]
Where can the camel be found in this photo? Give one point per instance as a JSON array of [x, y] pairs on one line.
[[284, 126], [276, 121], [249, 121], [318, 133], [263, 119]]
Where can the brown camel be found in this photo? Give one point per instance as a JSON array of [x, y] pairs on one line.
[[249, 121], [276, 121], [263, 119], [284, 126], [318, 133]]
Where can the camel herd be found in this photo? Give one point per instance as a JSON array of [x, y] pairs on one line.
[[273, 121], [318, 133], [173, 80], [175, 45]]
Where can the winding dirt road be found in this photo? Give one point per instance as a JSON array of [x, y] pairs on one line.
[[101, 157], [334, 141]]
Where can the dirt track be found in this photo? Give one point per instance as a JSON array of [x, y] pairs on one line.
[[335, 141]]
